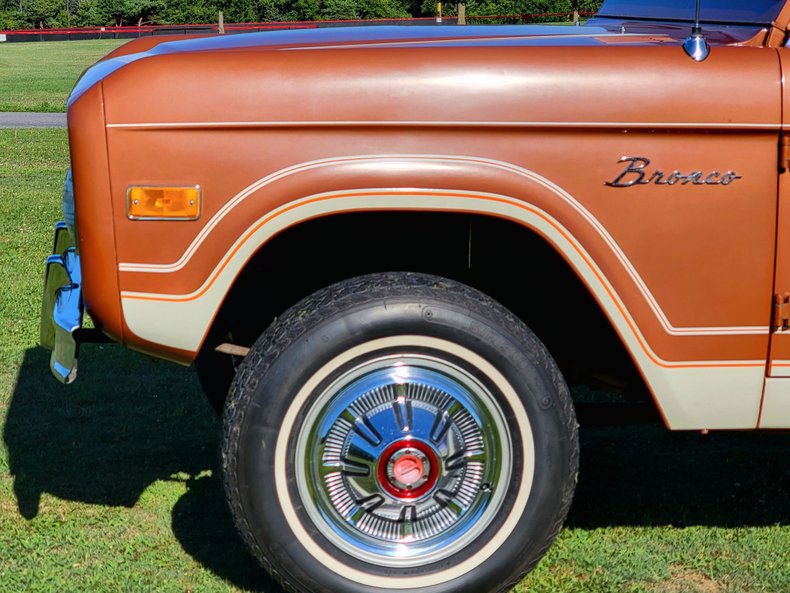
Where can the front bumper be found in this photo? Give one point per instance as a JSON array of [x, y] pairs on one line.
[[62, 307]]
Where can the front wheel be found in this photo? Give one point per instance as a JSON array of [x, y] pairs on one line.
[[399, 432]]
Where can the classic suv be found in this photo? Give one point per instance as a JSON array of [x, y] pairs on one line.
[[351, 230]]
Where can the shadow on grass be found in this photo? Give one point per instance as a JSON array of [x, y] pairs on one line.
[[107, 437], [130, 421], [203, 526], [645, 475], [127, 422]]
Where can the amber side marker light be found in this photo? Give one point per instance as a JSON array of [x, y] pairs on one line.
[[163, 203]]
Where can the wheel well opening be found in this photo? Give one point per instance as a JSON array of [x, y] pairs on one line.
[[501, 258]]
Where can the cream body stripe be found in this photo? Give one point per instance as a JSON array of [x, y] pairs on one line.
[[440, 203], [703, 394]]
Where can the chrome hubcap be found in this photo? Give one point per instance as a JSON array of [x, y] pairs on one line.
[[403, 460]]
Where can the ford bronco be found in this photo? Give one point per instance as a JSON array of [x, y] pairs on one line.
[[387, 250]]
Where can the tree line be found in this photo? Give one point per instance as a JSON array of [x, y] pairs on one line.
[[24, 14]]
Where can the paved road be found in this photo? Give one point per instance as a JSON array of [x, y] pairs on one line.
[[32, 120]]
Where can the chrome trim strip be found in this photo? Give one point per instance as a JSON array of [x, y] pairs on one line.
[[443, 124]]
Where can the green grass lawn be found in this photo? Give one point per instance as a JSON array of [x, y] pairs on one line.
[[110, 484], [38, 76]]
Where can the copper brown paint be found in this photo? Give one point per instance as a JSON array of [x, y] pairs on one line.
[[226, 119], [533, 85]]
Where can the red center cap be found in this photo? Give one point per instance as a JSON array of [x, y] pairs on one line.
[[408, 469]]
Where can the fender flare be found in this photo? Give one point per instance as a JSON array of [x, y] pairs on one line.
[[436, 183]]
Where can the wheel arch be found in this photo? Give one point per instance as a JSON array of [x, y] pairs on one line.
[[493, 254], [412, 188], [400, 201]]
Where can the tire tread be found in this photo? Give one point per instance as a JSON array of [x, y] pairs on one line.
[[297, 321]]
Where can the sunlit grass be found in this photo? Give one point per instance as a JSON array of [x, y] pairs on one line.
[[38, 76]]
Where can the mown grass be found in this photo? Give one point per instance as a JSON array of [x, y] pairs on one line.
[[39, 76], [111, 484]]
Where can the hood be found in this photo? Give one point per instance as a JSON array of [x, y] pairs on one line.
[[370, 37]]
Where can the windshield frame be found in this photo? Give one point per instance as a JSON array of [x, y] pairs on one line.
[[729, 12]]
